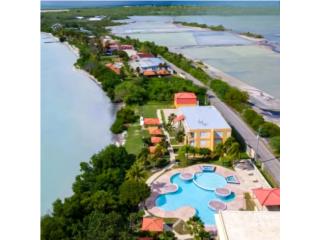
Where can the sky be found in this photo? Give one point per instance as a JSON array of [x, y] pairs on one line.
[[167, 0]]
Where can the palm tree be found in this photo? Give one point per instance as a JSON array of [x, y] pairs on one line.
[[136, 172], [160, 150], [171, 117]]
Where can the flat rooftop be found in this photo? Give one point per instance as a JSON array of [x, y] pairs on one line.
[[248, 225], [150, 62], [203, 117]]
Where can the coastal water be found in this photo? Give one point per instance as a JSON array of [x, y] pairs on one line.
[[104, 4], [75, 119], [254, 65]]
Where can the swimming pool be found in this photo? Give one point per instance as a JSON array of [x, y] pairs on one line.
[[189, 194]]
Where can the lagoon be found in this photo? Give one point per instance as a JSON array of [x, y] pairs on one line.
[[75, 119]]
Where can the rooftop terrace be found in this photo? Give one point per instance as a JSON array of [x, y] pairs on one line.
[[203, 117]]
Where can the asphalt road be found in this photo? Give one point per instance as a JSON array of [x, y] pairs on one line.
[[271, 163]]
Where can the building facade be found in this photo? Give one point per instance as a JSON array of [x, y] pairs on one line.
[[185, 99], [204, 126]]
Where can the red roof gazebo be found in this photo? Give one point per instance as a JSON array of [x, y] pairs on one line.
[[185, 99], [152, 224], [156, 139], [151, 121], [267, 196], [154, 131]]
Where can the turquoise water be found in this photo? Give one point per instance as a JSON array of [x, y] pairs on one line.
[[189, 194], [75, 120]]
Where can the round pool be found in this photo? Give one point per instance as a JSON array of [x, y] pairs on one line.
[[190, 194], [209, 180]]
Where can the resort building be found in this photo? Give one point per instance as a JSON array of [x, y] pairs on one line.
[[204, 126], [126, 47], [130, 52], [116, 67], [267, 198], [248, 225], [152, 224], [184, 99], [151, 63]]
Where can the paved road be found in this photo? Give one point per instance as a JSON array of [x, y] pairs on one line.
[[271, 163]]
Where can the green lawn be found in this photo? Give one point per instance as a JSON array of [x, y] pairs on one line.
[[134, 142], [149, 110]]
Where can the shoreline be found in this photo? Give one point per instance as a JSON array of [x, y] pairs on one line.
[[116, 138]]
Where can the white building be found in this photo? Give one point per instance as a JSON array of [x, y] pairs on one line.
[[248, 225]]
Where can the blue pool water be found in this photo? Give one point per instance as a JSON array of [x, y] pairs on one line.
[[189, 194], [209, 181]]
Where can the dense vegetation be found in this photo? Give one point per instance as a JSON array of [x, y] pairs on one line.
[[123, 118], [223, 154], [254, 35], [104, 204], [194, 24], [265, 129]]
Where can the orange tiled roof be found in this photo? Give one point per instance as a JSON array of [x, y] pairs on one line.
[[185, 98], [152, 149], [156, 139], [152, 224], [149, 73], [185, 95], [163, 72], [145, 55], [268, 196], [154, 131], [151, 121], [113, 68]]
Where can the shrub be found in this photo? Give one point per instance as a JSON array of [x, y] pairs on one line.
[[253, 118], [269, 129], [275, 144], [118, 126]]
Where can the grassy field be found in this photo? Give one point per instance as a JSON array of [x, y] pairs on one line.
[[135, 134], [134, 142], [149, 110]]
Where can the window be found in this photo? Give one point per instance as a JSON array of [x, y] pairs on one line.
[[218, 134], [191, 134], [192, 143], [203, 143], [204, 134]]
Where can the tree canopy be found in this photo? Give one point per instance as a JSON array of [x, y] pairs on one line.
[[103, 202]]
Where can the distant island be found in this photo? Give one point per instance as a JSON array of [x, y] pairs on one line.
[[253, 35], [194, 24]]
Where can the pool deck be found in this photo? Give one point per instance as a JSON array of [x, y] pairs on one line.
[[186, 212]]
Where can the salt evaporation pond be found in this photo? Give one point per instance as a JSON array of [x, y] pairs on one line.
[[252, 64]]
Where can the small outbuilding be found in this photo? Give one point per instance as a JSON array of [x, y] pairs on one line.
[[152, 224], [185, 99], [151, 121], [268, 197]]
